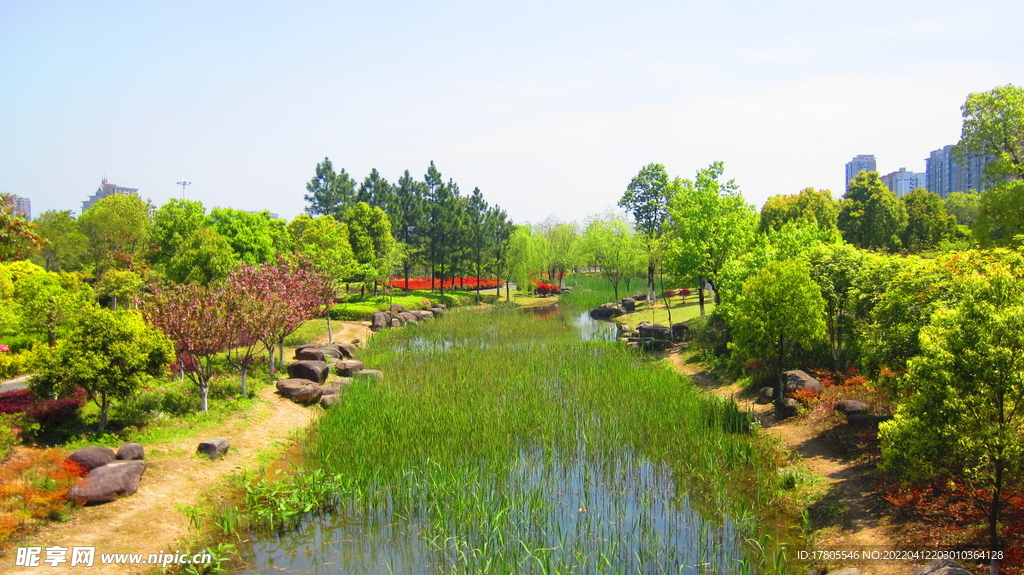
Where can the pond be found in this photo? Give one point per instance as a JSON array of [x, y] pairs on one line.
[[520, 443]]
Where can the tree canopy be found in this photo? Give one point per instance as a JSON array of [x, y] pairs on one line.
[[994, 126], [870, 216]]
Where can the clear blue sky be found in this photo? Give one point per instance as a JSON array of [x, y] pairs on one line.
[[548, 108]]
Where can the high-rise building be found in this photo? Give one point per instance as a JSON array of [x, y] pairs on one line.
[[106, 189], [902, 182], [946, 175], [865, 162], [22, 206]]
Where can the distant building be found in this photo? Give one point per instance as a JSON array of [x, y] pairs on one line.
[[22, 206], [946, 175], [865, 162], [903, 182], [106, 189]]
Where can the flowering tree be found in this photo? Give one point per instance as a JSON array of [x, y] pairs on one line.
[[198, 320], [245, 292]]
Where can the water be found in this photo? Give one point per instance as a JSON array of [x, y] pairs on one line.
[[565, 509]]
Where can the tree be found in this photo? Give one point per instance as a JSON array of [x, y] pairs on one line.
[[110, 354], [927, 220], [964, 206], [373, 246], [809, 205], [119, 232], [523, 258], [49, 301], [173, 224], [834, 268], [203, 258], [710, 223], [19, 237], [610, 245], [66, 247], [376, 191], [122, 284], [1001, 216], [647, 198], [870, 216], [779, 310], [407, 220], [330, 193], [994, 126], [324, 242], [252, 236], [964, 414]]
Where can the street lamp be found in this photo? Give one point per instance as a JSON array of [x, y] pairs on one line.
[[183, 183]]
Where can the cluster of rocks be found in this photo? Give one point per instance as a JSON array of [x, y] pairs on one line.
[[111, 475], [307, 378], [398, 316], [615, 309], [651, 336], [936, 567], [856, 412]]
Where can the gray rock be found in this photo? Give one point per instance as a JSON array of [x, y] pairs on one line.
[[628, 304], [655, 331], [640, 296], [799, 379], [130, 451], [395, 322], [329, 400], [437, 311], [680, 331], [607, 311], [214, 447], [309, 354], [348, 351], [423, 314], [942, 567], [371, 374], [624, 328], [766, 395], [299, 390], [316, 371], [396, 309], [380, 320], [786, 407], [848, 406], [92, 457], [348, 367], [108, 482], [845, 571], [409, 317]]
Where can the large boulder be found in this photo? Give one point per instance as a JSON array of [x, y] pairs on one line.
[[348, 367], [348, 351], [316, 371], [640, 296], [396, 309], [370, 374], [395, 322], [628, 304], [214, 447], [130, 451], [108, 482], [766, 395], [942, 567], [848, 406], [309, 354], [329, 400], [423, 314], [680, 331], [787, 407], [380, 320], [655, 331], [607, 311], [409, 317], [92, 457], [299, 390], [798, 379], [437, 311]]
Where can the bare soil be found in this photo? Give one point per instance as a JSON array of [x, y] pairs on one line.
[[150, 521]]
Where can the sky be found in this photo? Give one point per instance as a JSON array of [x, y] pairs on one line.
[[550, 108]]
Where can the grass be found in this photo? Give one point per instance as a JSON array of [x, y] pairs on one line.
[[501, 442]]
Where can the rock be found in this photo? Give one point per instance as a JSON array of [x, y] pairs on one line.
[[213, 447], [370, 374], [92, 457], [628, 304], [329, 400], [423, 314], [396, 309], [766, 395], [624, 328], [656, 332], [108, 482], [395, 322], [942, 567], [348, 367], [680, 331], [652, 344], [786, 407], [640, 296], [860, 419], [409, 317], [799, 379], [130, 451], [605, 312], [400, 317], [437, 311], [380, 320], [441, 305], [299, 390], [848, 406], [341, 383], [347, 350], [845, 571], [632, 344], [643, 323], [315, 371], [309, 354]]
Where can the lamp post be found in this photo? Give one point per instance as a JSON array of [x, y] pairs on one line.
[[183, 183]]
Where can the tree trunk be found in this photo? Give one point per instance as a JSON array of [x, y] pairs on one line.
[[270, 363], [245, 391], [700, 293], [280, 351], [115, 302], [52, 337], [204, 389], [993, 516], [104, 411], [782, 382]]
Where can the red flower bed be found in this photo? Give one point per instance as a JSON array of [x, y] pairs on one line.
[[545, 288], [424, 283]]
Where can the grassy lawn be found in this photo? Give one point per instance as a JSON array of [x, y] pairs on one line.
[[683, 309]]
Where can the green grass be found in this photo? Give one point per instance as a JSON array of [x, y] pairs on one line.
[[594, 291], [492, 428], [683, 309]]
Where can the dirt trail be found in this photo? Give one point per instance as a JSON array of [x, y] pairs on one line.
[[149, 521], [859, 520]]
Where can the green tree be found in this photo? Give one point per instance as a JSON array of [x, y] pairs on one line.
[[330, 192], [204, 257], [610, 245], [870, 216], [119, 284], [119, 232], [710, 223], [809, 205], [373, 247], [253, 236], [110, 354], [964, 413], [927, 220], [647, 198], [523, 257], [323, 241], [407, 220], [48, 301], [994, 126], [1001, 216], [779, 310], [835, 268], [964, 206], [173, 224], [66, 246]]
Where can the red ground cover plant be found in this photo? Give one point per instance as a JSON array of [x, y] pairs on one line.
[[45, 412], [33, 489], [542, 288]]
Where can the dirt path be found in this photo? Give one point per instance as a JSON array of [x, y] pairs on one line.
[[855, 519], [150, 521]]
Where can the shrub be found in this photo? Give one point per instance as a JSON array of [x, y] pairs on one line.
[[35, 485], [12, 364]]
